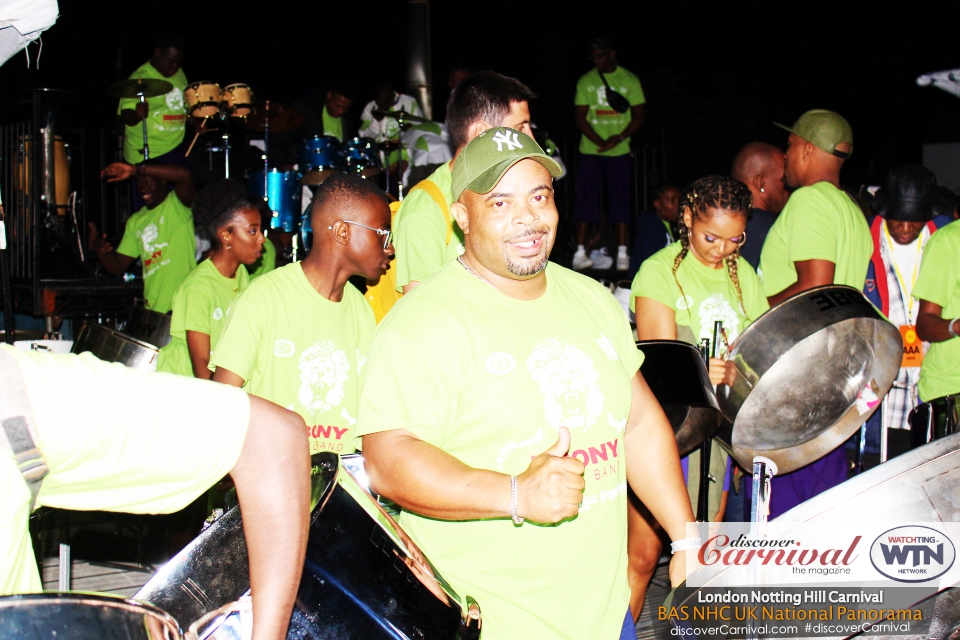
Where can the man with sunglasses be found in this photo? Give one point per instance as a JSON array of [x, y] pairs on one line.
[[298, 336]]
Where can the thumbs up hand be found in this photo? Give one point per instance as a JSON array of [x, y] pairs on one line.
[[551, 488]]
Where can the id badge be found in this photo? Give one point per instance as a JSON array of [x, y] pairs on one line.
[[912, 347]]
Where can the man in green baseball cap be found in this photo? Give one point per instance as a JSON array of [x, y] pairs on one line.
[[820, 238], [519, 398]]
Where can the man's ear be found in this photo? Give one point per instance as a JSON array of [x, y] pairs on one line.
[[459, 212], [476, 129], [341, 232], [809, 149], [758, 182]]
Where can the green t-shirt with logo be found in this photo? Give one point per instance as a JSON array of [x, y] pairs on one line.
[[332, 126], [490, 379], [708, 294], [166, 121], [939, 283], [819, 222], [607, 122], [420, 232], [201, 303], [267, 261], [163, 239], [298, 349]]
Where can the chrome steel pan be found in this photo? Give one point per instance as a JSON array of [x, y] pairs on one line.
[[149, 326], [83, 616], [799, 371], [112, 346]]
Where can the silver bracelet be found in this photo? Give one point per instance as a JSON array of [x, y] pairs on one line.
[[683, 545], [517, 520], [950, 328]]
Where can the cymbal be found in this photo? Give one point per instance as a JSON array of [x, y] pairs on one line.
[[134, 87], [280, 117], [397, 115]]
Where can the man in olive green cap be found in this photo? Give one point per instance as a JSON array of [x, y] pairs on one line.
[[519, 399], [820, 238]]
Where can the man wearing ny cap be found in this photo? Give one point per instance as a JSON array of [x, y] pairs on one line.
[[820, 238], [520, 399]]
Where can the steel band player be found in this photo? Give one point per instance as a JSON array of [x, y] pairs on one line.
[[520, 415]]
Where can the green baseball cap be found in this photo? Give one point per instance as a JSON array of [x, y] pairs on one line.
[[483, 162], [824, 130]]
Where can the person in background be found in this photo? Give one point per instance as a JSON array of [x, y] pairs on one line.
[[202, 303], [383, 128], [655, 228], [760, 166], [166, 115], [298, 336], [678, 295], [605, 160], [427, 234], [820, 238], [160, 234]]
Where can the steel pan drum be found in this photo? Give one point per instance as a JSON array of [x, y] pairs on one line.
[[80, 616], [918, 486], [800, 369], [149, 326], [359, 581], [935, 419], [283, 194], [112, 346], [677, 375]]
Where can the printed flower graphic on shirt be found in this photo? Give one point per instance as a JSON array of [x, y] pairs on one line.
[[568, 382], [715, 307], [149, 237], [174, 99], [324, 370]]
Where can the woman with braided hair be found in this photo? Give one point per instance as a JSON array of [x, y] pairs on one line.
[[230, 219], [677, 295]]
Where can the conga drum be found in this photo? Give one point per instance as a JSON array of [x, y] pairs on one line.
[[809, 372]]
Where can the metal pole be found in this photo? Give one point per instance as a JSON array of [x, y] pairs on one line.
[[418, 54], [8, 319], [143, 123]]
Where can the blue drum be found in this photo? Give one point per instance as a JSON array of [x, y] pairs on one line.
[[362, 156], [320, 157], [282, 194]]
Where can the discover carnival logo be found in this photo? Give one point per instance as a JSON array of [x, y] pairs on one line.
[[912, 554]]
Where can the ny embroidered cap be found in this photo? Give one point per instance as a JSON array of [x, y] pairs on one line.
[[483, 162], [824, 130]]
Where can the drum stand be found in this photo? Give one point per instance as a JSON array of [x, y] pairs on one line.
[[143, 123]]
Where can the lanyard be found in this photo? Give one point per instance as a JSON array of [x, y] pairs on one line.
[[896, 269]]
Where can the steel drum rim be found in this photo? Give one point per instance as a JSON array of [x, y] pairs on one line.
[[92, 599]]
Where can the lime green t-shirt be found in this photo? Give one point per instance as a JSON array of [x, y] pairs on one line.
[[298, 349], [188, 435], [420, 233], [332, 126], [267, 261], [708, 294], [820, 222], [939, 283], [606, 122], [163, 239], [201, 303], [166, 121], [489, 380]]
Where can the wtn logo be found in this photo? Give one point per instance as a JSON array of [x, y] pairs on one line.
[[912, 554], [922, 554]]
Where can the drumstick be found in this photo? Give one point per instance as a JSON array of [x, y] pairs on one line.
[[190, 148]]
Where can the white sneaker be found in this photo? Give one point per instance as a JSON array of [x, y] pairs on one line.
[[581, 261], [623, 262], [601, 259]]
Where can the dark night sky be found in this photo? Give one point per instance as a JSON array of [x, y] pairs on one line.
[[715, 76]]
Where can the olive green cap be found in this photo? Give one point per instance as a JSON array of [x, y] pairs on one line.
[[824, 130], [483, 162]]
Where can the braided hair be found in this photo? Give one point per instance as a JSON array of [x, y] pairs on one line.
[[215, 205], [718, 192]]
